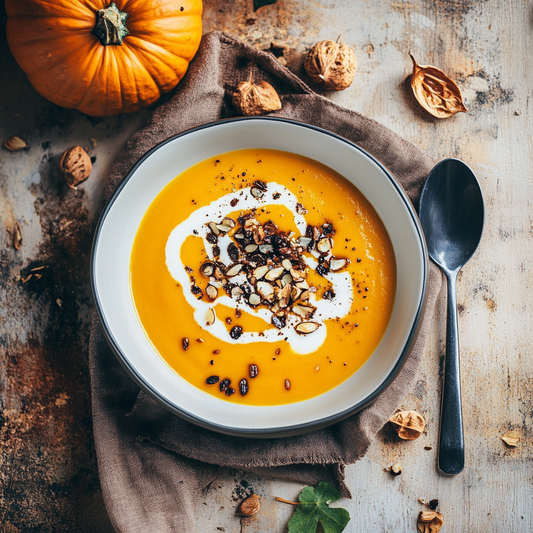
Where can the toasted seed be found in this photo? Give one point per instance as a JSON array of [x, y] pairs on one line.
[[305, 311], [243, 387], [239, 236], [328, 295], [210, 317], [185, 343], [337, 264], [224, 228], [304, 328], [297, 275], [251, 248], [213, 228], [211, 292], [228, 222], [324, 245], [254, 299], [235, 332], [207, 269], [295, 293], [304, 241], [259, 272], [287, 384], [260, 184], [233, 252], [273, 274], [253, 370], [211, 380], [229, 391], [218, 273], [224, 384], [15, 143], [269, 227], [284, 296], [286, 280], [302, 285], [233, 270], [265, 248], [236, 292], [304, 295], [287, 264], [264, 289], [250, 223], [200, 340], [256, 192], [300, 209]]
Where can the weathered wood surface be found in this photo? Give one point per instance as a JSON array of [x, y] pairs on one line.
[[48, 479]]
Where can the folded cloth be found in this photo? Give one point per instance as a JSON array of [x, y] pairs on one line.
[[152, 464]]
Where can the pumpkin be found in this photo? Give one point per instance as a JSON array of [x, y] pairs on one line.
[[104, 58]]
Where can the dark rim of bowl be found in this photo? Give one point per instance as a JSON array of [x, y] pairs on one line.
[[284, 431]]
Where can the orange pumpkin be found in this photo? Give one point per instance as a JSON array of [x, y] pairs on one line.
[[103, 58]]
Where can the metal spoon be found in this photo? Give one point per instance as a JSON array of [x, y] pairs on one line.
[[451, 213]]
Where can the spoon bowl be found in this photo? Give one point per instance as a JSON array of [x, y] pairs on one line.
[[452, 214]]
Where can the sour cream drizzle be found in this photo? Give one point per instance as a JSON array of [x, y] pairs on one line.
[[339, 307]]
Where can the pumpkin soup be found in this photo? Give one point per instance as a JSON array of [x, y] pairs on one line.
[[263, 277]]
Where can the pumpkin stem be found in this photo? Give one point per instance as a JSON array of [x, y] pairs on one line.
[[110, 25]]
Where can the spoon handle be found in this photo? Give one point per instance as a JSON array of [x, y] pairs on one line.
[[451, 443]]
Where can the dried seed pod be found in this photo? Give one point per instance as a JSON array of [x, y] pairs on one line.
[[15, 143], [429, 521], [408, 424], [76, 166], [511, 438], [435, 91], [253, 99], [331, 65], [250, 506]]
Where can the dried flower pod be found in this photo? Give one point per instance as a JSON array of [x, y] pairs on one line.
[[511, 438], [76, 166], [435, 91], [15, 143], [252, 99], [429, 521], [250, 506], [408, 424], [331, 65]]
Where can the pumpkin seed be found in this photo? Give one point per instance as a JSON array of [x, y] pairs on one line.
[[304, 311], [213, 228], [287, 264], [207, 269], [265, 248], [304, 241], [286, 280], [337, 264], [304, 328], [236, 292], [233, 270], [297, 275], [239, 236], [300, 209], [228, 222], [223, 228], [264, 289], [259, 272], [257, 193], [211, 291], [250, 248], [273, 274], [324, 245], [210, 317], [254, 299]]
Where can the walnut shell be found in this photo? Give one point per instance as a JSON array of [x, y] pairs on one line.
[[76, 166], [408, 424], [331, 65], [250, 506], [252, 99]]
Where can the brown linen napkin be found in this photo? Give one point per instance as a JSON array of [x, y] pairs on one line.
[[153, 464]]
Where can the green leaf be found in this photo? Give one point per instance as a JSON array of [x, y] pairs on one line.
[[314, 507], [261, 3]]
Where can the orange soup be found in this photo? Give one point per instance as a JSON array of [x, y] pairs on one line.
[[263, 277]]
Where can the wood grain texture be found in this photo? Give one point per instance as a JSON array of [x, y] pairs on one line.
[[48, 479]]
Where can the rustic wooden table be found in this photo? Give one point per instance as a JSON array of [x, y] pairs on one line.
[[48, 476]]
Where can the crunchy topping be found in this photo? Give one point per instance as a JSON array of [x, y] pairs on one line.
[[269, 267], [429, 521], [253, 371], [185, 343], [395, 469], [511, 438]]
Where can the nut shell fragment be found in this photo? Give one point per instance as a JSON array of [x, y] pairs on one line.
[[429, 521], [250, 506], [331, 65], [408, 424], [76, 166], [253, 99], [511, 438], [435, 91]]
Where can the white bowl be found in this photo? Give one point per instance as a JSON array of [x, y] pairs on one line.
[[111, 284]]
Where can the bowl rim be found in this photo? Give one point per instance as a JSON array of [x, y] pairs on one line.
[[284, 431]]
